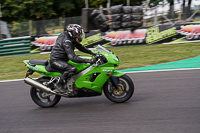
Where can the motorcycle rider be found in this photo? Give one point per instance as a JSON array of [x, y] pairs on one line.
[[63, 50]]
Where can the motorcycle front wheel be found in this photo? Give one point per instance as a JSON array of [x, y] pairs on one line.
[[41, 98], [125, 92]]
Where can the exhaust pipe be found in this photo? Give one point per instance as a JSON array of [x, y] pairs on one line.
[[38, 85]]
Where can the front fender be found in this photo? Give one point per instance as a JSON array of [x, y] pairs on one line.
[[119, 74]]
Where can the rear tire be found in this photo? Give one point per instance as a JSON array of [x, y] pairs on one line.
[[40, 99], [126, 91]]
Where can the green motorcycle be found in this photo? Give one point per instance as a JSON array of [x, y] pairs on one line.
[[89, 80]]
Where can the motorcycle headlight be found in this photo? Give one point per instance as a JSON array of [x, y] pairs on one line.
[[117, 59]]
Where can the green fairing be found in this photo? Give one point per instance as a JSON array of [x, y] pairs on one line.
[[84, 80]]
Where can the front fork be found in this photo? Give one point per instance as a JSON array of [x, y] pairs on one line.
[[114, 78]]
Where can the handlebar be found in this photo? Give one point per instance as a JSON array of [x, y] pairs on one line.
[[100, 59]]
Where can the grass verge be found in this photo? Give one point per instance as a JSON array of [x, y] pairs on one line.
[[131, 57]]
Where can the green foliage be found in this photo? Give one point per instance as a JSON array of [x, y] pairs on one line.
[[96, 3], [24, 10], [40, 9], [19, 29]]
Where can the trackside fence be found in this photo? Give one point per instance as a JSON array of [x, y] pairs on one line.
[[15, 46]]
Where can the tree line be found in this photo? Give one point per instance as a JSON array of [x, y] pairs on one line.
[[16, 11], [24, 10]]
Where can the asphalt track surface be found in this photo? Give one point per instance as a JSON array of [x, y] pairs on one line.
[[163, 102]]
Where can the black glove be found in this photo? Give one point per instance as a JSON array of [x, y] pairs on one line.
[[91, 61], [93, 54]]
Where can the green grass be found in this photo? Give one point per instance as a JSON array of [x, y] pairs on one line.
[[12, 67]]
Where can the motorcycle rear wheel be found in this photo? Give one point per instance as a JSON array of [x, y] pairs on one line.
[[125, 92], [39, 98]]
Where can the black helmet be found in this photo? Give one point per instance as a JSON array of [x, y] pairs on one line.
[[76, 32]]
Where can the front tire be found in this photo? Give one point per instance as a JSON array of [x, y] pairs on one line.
[[125, 92], [41, 99]]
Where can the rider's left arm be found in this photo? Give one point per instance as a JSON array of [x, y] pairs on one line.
[[83, 49]]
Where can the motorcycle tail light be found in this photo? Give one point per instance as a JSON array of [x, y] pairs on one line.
[[24, 64]]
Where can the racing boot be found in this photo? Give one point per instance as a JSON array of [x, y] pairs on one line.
[[70, 87], [59, 85]]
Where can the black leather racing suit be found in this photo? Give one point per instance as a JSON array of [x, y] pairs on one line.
[[62, 51]]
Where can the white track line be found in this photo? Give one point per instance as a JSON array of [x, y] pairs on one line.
[[163, 70], [182, 42]]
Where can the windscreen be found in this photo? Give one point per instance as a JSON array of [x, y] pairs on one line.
[[101, 48]]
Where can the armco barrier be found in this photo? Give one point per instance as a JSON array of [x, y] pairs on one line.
[[15, 46]]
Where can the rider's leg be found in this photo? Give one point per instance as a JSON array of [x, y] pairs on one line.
[[69, 70]]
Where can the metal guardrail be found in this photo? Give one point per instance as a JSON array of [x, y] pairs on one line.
[[15, 46]]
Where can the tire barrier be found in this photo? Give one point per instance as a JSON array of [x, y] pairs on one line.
[[127, 9], [15, 46], [94, 13], [116, 9], [100, 20], [126, 16], [116, 17], [121, 17], [138, 10]]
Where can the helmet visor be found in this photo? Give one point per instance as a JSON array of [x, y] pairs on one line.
[[80, 35]]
